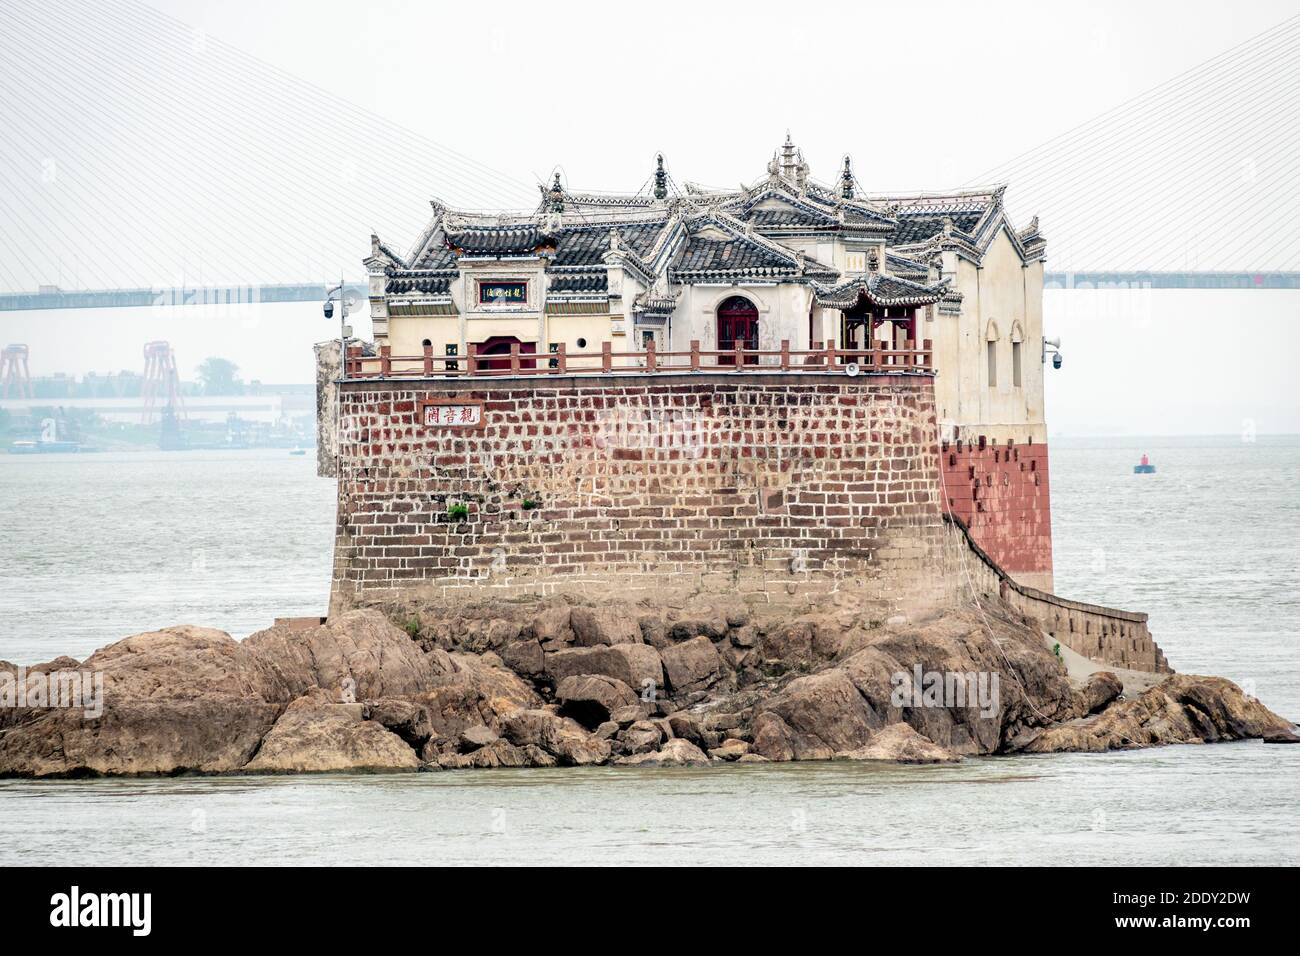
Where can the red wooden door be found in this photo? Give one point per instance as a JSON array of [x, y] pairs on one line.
[[737, 323], [499, 345]]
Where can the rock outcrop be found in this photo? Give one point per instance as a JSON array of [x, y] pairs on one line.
[[547, 684], [359, 655], [1182, 709], [591, 699], [183, 698], [899, 743], [674, 753], [562, 738], [316, 733]]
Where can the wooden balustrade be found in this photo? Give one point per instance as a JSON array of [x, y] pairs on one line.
[[873, 359]]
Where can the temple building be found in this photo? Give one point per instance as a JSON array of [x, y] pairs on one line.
[[783, 263], [784, 258]]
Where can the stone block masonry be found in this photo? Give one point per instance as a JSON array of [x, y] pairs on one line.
[[1002, 494], [777, 487], [777, 484]]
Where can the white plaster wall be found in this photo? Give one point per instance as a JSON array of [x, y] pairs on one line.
[[1007, 293], [782, 314]]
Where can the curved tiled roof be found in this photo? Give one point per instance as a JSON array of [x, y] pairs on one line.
[[881, 289], [918, 227], [730, 255], [786, 217], [405, 282], [905, 266], [436, 254], [508, 240], [717, 235], [580, 282], [588, 245]]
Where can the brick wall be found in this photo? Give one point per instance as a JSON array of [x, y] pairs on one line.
[[777, 483], [1001, 493]]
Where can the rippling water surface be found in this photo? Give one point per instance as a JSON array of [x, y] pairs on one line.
[[95, 547]]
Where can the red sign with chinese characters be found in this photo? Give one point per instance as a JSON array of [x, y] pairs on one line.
[[451, 413]]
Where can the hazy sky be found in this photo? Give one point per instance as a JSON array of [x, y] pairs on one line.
[[205, 142], [142, 137], [599, 87]]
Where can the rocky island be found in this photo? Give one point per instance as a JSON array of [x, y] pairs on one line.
[[553, 682]]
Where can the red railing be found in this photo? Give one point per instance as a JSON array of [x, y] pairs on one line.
[[819, 358]]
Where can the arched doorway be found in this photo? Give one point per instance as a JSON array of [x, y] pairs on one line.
[[499, 345], [737, 323]]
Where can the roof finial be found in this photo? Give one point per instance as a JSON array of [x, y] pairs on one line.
[[661, 178], [846, 180], [556, 195], [790, 163]]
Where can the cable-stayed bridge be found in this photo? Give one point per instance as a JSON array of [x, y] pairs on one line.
[[148, 164]]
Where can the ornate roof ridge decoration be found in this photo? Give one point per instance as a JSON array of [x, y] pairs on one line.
[[710, 195], [381, 255], [670, 240], [408, 272], [995, 222], [621, 255], [746, 204], [657, 224], [650, 301], [788, 165], [816, 269], [553, 198], [879, 288], [646, 304], [646, 217], [579, 267], [895, 262], [1033, 240], [922, 200], [950, 304], [817, 200], [603, 200], [973, 245], [426, 237]]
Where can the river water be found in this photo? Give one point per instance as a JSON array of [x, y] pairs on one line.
[[96, 547]]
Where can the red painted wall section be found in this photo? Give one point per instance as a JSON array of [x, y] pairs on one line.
[[1001, 492]]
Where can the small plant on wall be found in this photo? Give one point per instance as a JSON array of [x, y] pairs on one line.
[[530, 504], [458, 512]]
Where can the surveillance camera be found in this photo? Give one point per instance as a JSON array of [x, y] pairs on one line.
[[1056, 360], [329, 310]]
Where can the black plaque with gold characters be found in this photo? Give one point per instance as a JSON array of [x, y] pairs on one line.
[[502, 292]]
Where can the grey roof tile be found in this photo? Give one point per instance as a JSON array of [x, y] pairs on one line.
[[580, 282]]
